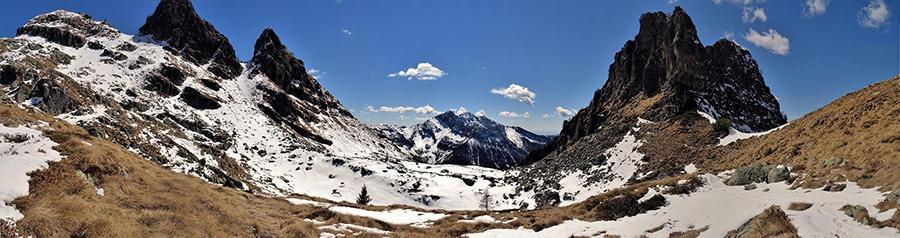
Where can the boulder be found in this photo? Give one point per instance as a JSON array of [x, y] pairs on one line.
[[776, 174], [546, 199], [747, 175]]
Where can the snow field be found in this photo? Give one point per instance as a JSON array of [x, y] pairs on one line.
[[724, 208]]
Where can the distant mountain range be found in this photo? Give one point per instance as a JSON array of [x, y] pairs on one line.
[[465, 139]]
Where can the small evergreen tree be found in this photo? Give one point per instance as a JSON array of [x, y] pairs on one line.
[[363, 197]]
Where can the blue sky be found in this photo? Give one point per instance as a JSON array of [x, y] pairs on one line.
[[483, 55]]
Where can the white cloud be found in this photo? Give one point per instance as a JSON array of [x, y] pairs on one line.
[[812, 8], [874, 15], [513, 114], [480, 113], [770, 40], [728, 35], [316, 73], [401, 109], [546, 116], [402, 117], [735, 2], [672, 1], [515, 91], [562, 112], [461, 110], [752, 13], [347, 32], [421, 118], [424, 71]]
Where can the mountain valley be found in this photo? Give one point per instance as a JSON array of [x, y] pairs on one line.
[[167, 133]]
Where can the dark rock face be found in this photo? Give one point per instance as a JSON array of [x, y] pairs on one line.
[[294, 95], [56, 98], [272, 58], [162, 85], [199, 100], [472, 140], [176, 23], [66, 28], [667, 62]]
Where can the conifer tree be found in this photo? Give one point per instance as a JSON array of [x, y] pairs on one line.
[[363, 197]]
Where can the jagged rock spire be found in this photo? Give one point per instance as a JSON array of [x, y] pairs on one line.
[[273, 59], [667, 62], [176, 23]]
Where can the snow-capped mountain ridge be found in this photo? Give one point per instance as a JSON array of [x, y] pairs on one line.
[[459, 137], [142, 92]]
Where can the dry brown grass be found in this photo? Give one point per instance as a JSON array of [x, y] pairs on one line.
[[688, 233], [799, 206], [860, 130], [772, 222], [148, 201]]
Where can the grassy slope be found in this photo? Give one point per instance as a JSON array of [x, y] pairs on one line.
[[860, 130]]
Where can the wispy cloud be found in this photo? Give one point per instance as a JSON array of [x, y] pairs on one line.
[[515, 91], [316, 73], [728, 35], [564, 113], [751, 14], [546, 116], [770, 40], [735, 2], [874, 15], [812, 8], [513, 114], [401, 109], [424, 71], [402, 117], [421, 118], [347, 32]]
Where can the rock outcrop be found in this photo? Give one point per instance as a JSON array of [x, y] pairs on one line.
[[665, 72], [66, 28], [176, 23], [199, 100], [272, 58], [756, 173]]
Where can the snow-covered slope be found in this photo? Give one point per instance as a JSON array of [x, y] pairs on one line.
[[145, 95], [716, 209], [461, 137]]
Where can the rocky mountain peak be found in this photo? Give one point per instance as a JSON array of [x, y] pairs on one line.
[[273, 59], [665, 72], [176, 23], [66, 28], [455, 137]]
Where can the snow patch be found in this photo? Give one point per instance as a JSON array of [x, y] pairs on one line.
[[17, 159], [734, 135], [690, 168]]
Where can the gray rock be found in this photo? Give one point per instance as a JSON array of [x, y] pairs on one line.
[[894, 197], [546, 199], [747, 175], [777, 174], [750, 186]]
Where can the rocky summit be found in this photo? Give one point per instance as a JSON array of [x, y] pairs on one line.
[[177, 24], [666, 72], [464, 138]]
